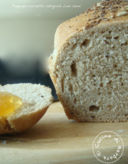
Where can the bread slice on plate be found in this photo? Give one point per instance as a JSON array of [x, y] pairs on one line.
[[89, 64], [22, 105]]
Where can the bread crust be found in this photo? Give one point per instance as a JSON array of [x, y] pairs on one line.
[[4, 127], [26, 121], [22, 123], [113, 11], [102, 14], [67, 112]]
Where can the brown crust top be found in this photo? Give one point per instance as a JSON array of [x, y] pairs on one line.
[[100, 11], [107, 11]]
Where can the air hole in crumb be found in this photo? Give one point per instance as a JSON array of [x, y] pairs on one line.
[[124, 44], [109, 82], [112, 46], [93, 117], [108, 37], [74, 46], [42, 96], [109, 107], [85, 43], [93, 108], [116, 37], [99, 93], [106, 42], [73, 69], [70, 87], [74, 100], [107, 56], [122, 84], [102, 32], [126, 115], [115, 65], [101, 84]]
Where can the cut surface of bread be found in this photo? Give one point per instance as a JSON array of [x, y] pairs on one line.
[[89, 65], [34, 99]]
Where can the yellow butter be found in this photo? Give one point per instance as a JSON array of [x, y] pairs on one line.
[[9, 103]]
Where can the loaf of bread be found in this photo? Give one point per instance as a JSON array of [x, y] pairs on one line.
[[89, 64], [31, 102]]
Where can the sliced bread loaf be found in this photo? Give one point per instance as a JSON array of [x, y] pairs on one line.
[[89, 65], [35, 100]]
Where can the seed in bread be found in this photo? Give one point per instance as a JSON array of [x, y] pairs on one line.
[[89, 64]]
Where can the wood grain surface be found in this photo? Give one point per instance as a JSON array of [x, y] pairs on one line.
[[55, 139]]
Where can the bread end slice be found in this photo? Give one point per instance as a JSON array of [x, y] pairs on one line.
[[36, 99]]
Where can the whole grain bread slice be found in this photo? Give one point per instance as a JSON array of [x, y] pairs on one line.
[[89, 64]]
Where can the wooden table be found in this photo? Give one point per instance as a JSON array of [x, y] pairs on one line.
[[55, 139]]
